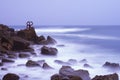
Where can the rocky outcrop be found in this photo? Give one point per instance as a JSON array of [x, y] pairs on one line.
[[112, 66], [11, 76], [107, 77], [31, 63], [48, 50], [28, 34], [67, 73]]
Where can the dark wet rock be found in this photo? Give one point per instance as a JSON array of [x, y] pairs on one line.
[[11, 76], [31, 63], [41, 39], [107, 77], [12, 55], [48, 50], [114, 66], [83, 61], [4, 69], [6, 60], [1, 64], [20, 44], [46, 66], [72, 61], [24, 55], [47, 41], [62, 62], [67, 71], [56, 77], [87, 66], [50, 40], [28, 34]]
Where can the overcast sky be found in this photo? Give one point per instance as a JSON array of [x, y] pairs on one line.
[[60, 12]]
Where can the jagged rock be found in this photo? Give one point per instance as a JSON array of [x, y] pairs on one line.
[[113, 66], [67, 71], [46, 66], [47, 41], [87, 66], [50, 40], [11, 76], [31, 63], [107, 77], [6, 60], [61, 62], [23, 55], [48, 50]]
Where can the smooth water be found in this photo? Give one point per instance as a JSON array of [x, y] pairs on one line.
[[97, 44]]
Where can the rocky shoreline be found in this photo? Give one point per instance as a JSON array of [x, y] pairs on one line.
[[15, 44]]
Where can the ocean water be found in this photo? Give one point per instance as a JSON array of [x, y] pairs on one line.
[[97, 44]]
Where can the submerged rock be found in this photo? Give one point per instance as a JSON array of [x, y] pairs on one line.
[[48, 50], [11, 76], [107, 77], [31, 63]]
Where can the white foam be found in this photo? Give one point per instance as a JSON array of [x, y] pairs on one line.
[[93, 36], [60, 30]]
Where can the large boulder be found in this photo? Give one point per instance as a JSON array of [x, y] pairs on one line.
[[46, 66], [67, 73], [20, 44], [107, 77], [48, 50], [11, 76]]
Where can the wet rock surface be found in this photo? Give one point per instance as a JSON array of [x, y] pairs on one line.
[[67, 73], [31, 63], [107, 77], [48, 50], [11, 76]]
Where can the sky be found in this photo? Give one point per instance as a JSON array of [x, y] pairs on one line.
[[60, 12]]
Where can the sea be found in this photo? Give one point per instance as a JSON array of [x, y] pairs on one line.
[[95, 43]]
